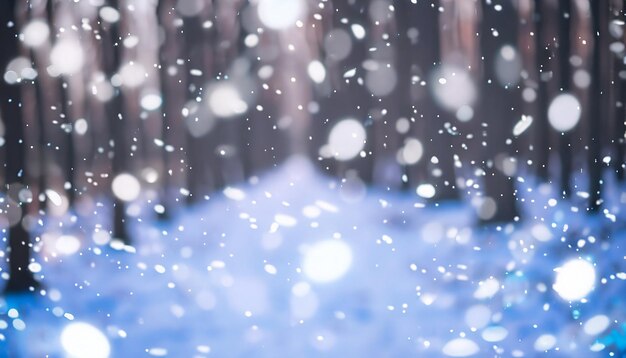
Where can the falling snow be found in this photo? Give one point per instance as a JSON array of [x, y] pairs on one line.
[[190, 178]]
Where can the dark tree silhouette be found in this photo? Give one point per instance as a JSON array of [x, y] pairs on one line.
[[542, 63], [599, 16], [564, 53], [21, 278], [498, 109]]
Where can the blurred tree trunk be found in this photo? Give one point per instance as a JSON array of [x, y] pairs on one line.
[[498, 112], [597, 92], [542, 63], [419, 46], [565, 79], [347, 97], [32, 124], [203, 165], [21, 278], [173, 93], [111, 50], [619, 100]]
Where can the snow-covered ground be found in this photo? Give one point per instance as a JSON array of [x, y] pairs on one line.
[[296, 264]]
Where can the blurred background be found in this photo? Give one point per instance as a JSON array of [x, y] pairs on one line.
[[354, 177]]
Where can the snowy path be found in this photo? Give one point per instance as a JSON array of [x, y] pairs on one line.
[[245, 275]]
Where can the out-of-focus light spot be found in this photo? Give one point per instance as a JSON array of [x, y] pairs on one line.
[[126, 187], [522, 125], [280, 14], [82, 340], [234, 194], [465, 113], [337, 44], [403, 125], [358, 31], [18, 69], [67, 57], [130, 41], [582, 79], [541, 232], [460, 347], [54, 197], [150, 175], [100, 87], [494, 334], [316, 71], [67, 245], [157, 352], [271, 269], [81, 126], [426, 191], [381, 80], [132, 74], [478, 316], [508, 66], [327, 261], [596, 325], [101, 237], [487, 289], [545, 342], [411, 152], [151, 101], [225, 101], [34, 267], [311, 211], [109, 14], [487, 208], [251, 40], [529, 94], [457, 90], [564, 112], [575, 279], [345, 141], [36, 33], [285, 220]]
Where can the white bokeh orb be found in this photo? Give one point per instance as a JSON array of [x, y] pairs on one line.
[[316, 71], [67, 57], [67, 245], [564, 112], [226, 101], [346, 139], [132, 74], [426, 191], [327, 261], [35, 33], [126, 187], [82, 340], [411, 152], [575, 279], [453, 88], [280, 14], [151, 101], [460, 347]]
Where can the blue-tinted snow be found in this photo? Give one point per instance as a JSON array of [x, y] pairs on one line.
[[224, 279]]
